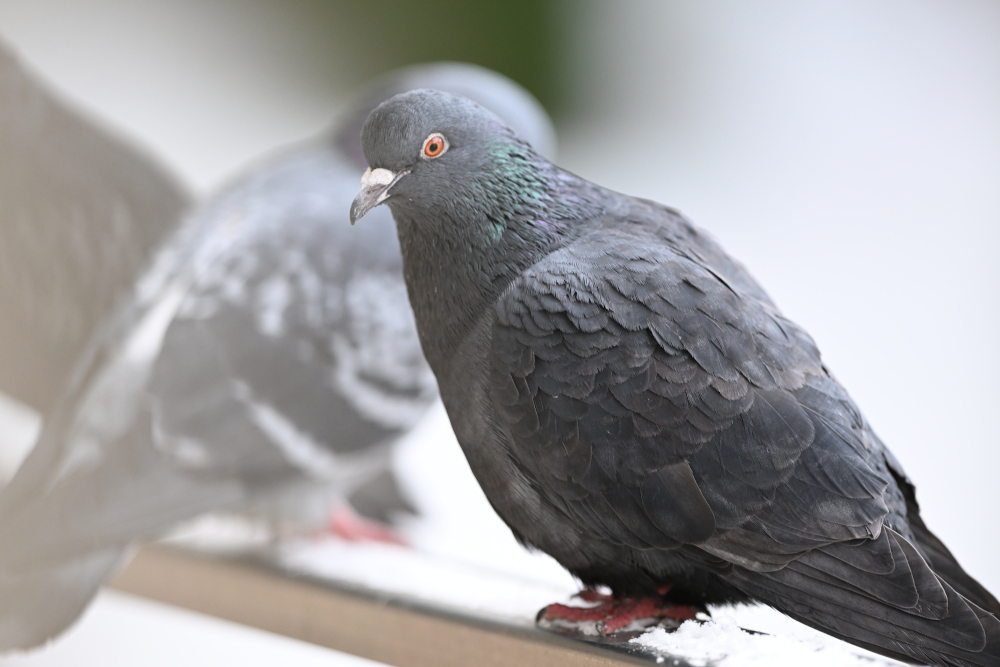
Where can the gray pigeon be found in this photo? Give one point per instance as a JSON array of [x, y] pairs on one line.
[[81, 213], [265, 363], [634, 404]]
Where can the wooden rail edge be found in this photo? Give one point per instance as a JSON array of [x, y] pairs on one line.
[[365, 624]]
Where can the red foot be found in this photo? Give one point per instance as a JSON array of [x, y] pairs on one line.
[[604, 604], [562, 612], [347, 524], [611, 615]]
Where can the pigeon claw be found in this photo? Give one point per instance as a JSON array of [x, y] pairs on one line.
[[564, 612], [609, 615]]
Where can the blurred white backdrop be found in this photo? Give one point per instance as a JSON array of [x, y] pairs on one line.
[[847, 152], [206, 85]]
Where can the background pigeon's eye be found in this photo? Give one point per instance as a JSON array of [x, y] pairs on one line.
[[434, 145]]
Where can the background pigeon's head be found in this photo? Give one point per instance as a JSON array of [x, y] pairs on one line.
[[427, 149]]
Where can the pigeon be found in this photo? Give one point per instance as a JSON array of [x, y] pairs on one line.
[[634, 404], [265, 364], [81, 213]]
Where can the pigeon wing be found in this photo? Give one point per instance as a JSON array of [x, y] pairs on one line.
[[655, 401], [662, 406], [81, 214]]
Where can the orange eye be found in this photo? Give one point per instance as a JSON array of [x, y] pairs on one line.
[[434, 145]]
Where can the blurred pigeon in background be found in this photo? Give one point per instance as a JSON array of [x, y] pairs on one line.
[[635, 405], [81, 213], [265, 363]]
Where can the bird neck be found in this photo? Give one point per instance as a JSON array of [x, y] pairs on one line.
[[458, 259]]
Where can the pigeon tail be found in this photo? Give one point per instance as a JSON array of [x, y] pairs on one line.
[[909, 613], [946, 566], [933, 549]]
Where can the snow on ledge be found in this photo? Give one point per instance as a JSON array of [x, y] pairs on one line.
[[723, 642]]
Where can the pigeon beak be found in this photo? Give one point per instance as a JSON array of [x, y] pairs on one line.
[[375, 184]]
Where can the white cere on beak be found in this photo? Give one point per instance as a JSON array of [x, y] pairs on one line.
[[375, 185], [376, 178]]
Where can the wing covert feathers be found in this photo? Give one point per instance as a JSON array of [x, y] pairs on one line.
[[662, 408]]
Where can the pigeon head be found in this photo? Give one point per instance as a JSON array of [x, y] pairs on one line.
[[430, 150], [515, 105], [474, 204]]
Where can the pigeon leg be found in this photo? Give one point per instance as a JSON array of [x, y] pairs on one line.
[[347, 524], [610, 615]]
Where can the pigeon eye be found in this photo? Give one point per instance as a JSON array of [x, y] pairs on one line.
[[435, 145]]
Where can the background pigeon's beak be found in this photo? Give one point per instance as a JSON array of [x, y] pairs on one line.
[[375, 184]]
